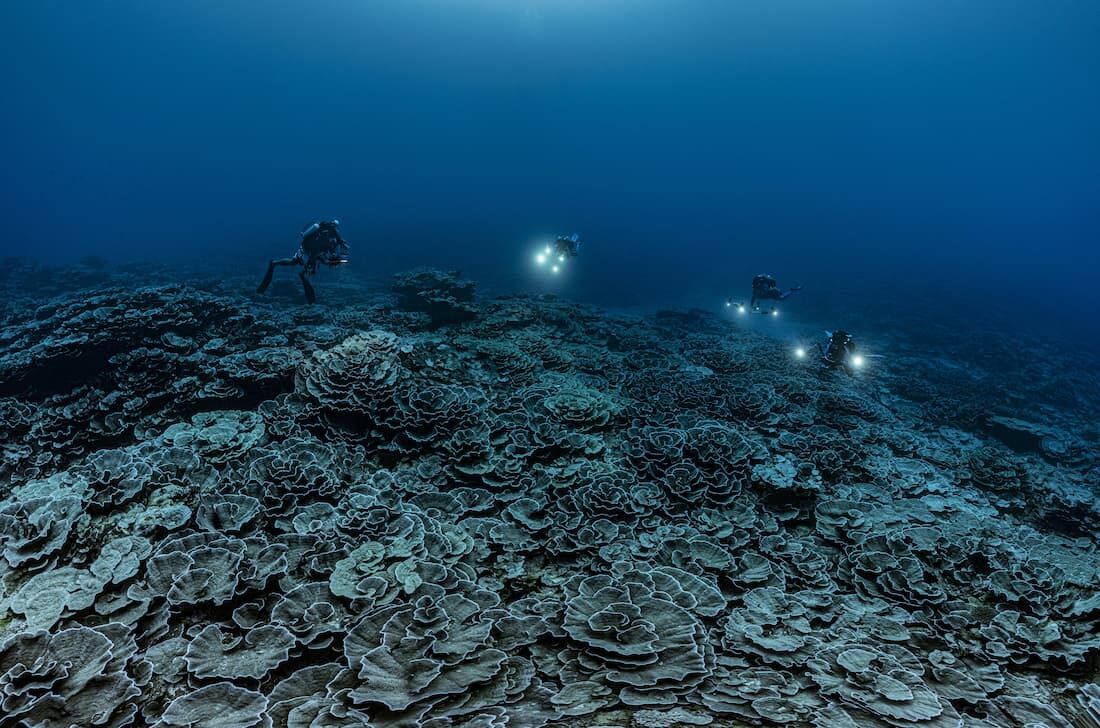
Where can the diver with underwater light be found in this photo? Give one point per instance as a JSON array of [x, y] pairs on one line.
[[764, 288], [840, 351], [554, 255]]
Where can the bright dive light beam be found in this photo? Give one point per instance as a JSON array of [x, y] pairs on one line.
[[540, 258], [775, 312], [800, 352], [740, 309], [857, 361], [555, 269]]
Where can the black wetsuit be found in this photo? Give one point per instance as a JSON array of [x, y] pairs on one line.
[[764, 288], [566, 247], [839, 350], [321, 243]]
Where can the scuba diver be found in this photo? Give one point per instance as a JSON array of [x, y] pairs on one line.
[[555, 254], [321, 243], [764, 288], [840, 351], [567, 247]]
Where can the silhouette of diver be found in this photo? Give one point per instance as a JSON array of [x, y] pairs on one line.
[[764, 288], [840, 351], [321, 244], [567, 246]]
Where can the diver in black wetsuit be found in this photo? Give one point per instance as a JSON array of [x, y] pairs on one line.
[[321, 243], [840, 351], [764, 288]]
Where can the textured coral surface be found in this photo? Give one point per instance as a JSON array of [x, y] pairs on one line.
[[425, 509]]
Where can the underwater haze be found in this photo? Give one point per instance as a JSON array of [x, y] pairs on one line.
[[865, 149], [443, 465]]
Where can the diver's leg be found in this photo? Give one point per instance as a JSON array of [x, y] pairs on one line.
[[271, 272], [789, 291], [267, 277], [307, 287]]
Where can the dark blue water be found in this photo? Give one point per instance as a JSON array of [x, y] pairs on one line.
[[901, 153]]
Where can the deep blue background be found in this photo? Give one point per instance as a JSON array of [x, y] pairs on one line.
[[938, 150]]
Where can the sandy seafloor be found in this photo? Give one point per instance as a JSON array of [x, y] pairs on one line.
[[429, 509]]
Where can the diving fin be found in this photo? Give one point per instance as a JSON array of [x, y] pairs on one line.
[[267, 279], [307, 287]]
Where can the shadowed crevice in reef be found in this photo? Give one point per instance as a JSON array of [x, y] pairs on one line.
[[433, 510]]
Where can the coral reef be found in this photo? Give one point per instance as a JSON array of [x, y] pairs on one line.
[[443, 511], [444, 296]]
